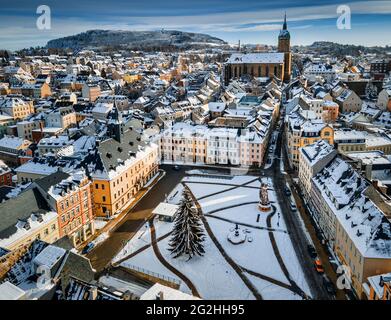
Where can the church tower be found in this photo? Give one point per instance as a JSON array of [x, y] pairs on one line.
[[284, 46]]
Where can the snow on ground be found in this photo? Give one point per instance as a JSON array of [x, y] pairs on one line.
[[99, 224], [260, 239], [257, 256], [151, 180], [102, 237], [147, 262], [140, 239], [291, 261], [211, 274], [270, 291], [201, 189], [175, 196], [247, 214]]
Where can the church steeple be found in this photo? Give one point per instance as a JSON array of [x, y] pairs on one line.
[[284, 46], [285, 26]]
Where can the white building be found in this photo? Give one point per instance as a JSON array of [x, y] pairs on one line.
[[312, 159]]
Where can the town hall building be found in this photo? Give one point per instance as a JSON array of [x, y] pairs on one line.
[[262, 64]]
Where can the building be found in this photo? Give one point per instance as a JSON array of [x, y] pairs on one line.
[[5, 175], [384, 99], [380, 68], [304, 128], [262, 64], [347, 210], [62, 117], [184, 143], [91, 91], [187, 144], [330, 111], [25, 128], [378, 287], [123, 165], [11, 148], [348, 141], [348, 101], [26, 218], [314, 71], [312, 159], [36, 90], [16, 107], [70, 197], [56, 145]]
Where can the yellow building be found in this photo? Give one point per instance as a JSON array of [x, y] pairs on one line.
[[16, 107], [353, 219], [129, 78], [303, 129], [124, 164], [379, 287]]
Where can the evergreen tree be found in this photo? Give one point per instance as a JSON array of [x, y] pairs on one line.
[[188, 234]]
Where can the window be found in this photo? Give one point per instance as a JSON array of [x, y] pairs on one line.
[[96, 186], [103, 187], [104, 199]]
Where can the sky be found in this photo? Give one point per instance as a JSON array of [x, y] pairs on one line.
[[251, 21]]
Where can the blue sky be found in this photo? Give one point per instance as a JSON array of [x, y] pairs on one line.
[[251, 21]]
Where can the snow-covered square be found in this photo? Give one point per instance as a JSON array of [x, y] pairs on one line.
[[262, 265]]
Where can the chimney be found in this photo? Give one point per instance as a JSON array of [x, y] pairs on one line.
[[381, 282], [159, 295]]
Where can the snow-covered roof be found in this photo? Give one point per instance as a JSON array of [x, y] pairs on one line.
[[262, 57], [317, 151], [49, 256], [12, 142], [344, 191], [166, 209], [8, 291], [166, 293]]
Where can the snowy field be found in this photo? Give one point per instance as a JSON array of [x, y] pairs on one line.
[[211, 274]]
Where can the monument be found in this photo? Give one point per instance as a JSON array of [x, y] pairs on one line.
[[264, 203]]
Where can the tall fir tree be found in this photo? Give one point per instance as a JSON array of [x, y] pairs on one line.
[[188, 235]]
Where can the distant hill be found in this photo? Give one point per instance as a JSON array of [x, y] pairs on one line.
[[135, 39], [337, 49]]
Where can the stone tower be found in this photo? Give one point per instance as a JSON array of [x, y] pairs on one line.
[[284, 46]]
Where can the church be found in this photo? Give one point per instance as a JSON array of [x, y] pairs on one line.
[[263, 64]]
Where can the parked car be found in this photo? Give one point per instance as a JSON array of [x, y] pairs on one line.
[[329, 286], [318, 266], [88, 248], [311, 251], [287, 191]]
